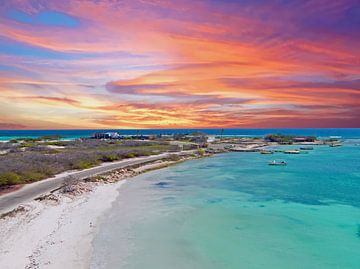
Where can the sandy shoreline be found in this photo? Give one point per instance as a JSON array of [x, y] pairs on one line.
[[28, 192], [57, 232]]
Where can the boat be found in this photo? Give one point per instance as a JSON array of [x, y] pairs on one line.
[[277, 162], [306, 148], [266, 152], [292, 151], [336, 145]]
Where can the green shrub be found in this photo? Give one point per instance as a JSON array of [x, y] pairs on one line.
[[32, 176], [10, 178], [27, 139], [287, 139], [83, 164], [130, 155], [57, 143], [3, 181], [147, 153], [280, 138], [51, 137], [109, 157], [27, 144]]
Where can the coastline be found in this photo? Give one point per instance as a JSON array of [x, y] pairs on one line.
[[40, 233], [10, 200], [57, 235], [57, 230]]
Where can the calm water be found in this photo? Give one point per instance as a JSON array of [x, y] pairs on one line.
[[73, 134], [234, 211]]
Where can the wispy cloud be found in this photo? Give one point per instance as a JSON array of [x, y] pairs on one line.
[[148, 64]]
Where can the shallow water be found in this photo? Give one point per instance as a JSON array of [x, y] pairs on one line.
[[235, 211]]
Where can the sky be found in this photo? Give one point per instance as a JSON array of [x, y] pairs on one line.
[[76, 64]]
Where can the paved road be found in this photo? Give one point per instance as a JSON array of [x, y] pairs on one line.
[[31, 191]]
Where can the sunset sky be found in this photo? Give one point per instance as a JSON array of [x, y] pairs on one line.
[[172, 64]]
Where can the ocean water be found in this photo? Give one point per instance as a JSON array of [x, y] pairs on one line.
[[234, 211], [74, 134]]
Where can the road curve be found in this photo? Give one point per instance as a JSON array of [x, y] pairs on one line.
[[29, 192]]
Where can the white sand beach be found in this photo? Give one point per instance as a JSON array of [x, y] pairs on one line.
[[55, 234]]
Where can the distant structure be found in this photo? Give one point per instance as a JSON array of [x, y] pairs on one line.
[[199, 139], [304, 139], [108, 135]]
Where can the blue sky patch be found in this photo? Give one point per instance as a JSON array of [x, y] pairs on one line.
[[10, 47], [51, 18]]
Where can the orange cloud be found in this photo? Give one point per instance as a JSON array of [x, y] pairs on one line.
[[184, 64]]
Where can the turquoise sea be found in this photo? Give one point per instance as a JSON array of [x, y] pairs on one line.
[[234, 211]]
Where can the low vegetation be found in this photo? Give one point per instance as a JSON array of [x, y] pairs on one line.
[[283, 139], [41, 138], [288, 139], [30, 160]]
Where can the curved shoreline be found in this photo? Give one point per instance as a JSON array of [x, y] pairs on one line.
[[9, 201], [57, 231]]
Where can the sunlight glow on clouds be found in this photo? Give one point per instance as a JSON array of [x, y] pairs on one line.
[[153, 64]]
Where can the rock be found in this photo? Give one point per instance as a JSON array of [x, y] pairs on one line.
[[78, 188], [49, 197]]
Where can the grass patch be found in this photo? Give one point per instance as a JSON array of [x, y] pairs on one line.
[[109, 157], [130, 155], [27, 144], [10, 178], [84, 164]]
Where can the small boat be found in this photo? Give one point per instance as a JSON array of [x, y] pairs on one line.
[[266, 152], [306, 148], [292, 151], [277, 162], [335, 145]]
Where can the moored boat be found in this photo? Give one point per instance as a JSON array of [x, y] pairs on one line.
[[336, 145], [277, 162], [306, 148], [292, 151], [266, 152]]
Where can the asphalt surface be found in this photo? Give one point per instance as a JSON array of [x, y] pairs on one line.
[[29, 192]]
